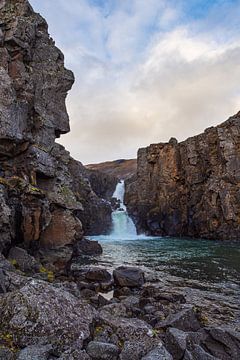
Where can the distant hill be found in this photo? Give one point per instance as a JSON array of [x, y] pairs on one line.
[[122, 169]]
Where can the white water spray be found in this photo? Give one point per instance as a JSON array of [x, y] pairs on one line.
[[123, 226]]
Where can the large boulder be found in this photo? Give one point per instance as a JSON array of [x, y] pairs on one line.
[[39, 313], [159, 353], [128, 276], [102, 351], [87, 247], [23, 260], [35, 352], [185, 320], [176, 342]]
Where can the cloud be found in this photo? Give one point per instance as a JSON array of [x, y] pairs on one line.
[[145, 71]]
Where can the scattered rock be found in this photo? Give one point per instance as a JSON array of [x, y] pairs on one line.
[[23, 260], [102, 351], [185, 320], [39, 313], [35, 352], [175, 342], [87, 247], [98, 274], [128, 277], [159, 353]]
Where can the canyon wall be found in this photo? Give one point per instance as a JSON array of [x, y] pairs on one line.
[[191, 188], [46, 198]]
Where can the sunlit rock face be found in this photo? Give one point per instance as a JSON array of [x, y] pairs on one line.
[[190, 188], [38, 187]]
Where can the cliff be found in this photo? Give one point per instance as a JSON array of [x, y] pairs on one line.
[[190, 188], [47, 201], [122, 169]]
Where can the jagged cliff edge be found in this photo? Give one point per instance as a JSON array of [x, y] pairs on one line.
[[191, 188], [46, 199]]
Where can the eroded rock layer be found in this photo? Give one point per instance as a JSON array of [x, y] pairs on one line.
[[190, 188], [46, 197]]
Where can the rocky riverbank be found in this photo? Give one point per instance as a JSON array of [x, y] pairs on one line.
[[91, 313]]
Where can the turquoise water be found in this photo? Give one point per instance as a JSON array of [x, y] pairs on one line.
[[195, 259]]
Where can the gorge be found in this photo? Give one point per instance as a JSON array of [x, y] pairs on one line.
[[78, 280]]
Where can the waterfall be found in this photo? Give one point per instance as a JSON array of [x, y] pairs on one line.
[[123, 226]]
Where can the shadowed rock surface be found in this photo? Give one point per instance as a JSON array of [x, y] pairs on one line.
[[46, 198], [189, 188]]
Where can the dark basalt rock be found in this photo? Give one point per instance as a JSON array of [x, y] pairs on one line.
[[46, 199], [87, 247], [159, 353], [176, 342], [125, 276], [39, 313], [189, 188], [102, 351], [185, 320], [35, 352]]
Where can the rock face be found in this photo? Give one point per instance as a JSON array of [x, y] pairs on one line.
[[37, 312], [189, 188], [46, 197]]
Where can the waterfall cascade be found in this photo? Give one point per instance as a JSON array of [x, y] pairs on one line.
[[123, 226]]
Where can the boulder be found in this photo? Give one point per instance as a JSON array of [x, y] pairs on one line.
[[74, 354], [125, 276], [135, 350], [159, 353], [185, 320], [199, 353], [102, 351], [175, 342], [35, 352], [87, 247], [94, 274], [39, 313], [23, 260]]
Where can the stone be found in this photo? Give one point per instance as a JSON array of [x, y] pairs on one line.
[[24, 261], [39, 313], [64, 227], [74, 354], [175, 342], [3, 281], [6, 354], [125, 276], [35, 352], [159, 353], [102, 351], [135, 350], [198, 353], [87, 247], [223, 343], [189, 188], [98, 274], [185, 320]]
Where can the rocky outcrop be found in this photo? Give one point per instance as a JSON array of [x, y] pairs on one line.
[[120, 169], [190, 188], [46, 198]]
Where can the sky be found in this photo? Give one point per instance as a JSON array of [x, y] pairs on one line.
[[145, 70]]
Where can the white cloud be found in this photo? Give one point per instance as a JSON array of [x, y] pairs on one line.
[[142, 75]]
